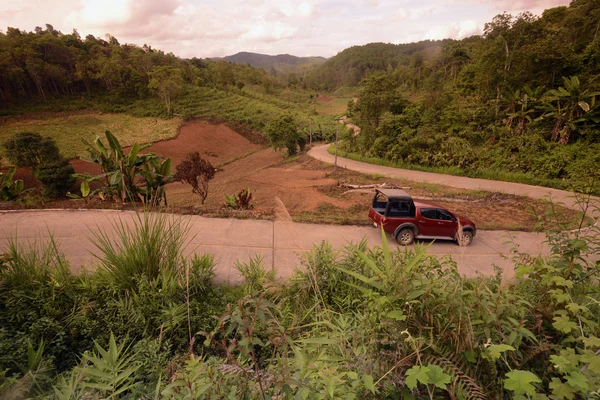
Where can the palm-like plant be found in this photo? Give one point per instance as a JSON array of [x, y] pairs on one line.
[[9, 188], [128, 176], [572, 107]]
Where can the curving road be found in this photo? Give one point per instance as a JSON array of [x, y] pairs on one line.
[[279, 243], [536, 192]]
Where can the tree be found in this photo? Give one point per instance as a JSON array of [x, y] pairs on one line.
[[283, 133], [167, 82], [196, 172], [30, 149]]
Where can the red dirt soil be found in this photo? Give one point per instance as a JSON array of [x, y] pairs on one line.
[[324, 99], [216, 143]]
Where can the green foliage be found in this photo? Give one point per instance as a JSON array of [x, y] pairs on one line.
[[10, 189], [283, 133], [493, 103], [29, 149], [56, 177], [130, 176]]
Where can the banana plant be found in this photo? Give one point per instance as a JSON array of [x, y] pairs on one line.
[[10, 189], [128, 176], [572, 107]]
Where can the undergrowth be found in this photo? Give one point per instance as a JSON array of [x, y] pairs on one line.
[[357, 322]]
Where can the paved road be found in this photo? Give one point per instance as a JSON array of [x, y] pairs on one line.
[[536, 192], [280, 243]]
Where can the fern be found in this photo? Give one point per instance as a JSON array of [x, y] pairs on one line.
[[464, 386]]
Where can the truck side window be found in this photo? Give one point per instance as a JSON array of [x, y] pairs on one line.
[[445, 215], [430, 213], [399, 209]]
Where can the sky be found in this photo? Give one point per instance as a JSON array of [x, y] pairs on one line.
[[216, 28]]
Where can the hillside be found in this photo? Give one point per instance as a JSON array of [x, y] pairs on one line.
[[280, 62], [351, 65]]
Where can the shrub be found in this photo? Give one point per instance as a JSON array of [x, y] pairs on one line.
[[30, 149], [196, 172], [56, 177]]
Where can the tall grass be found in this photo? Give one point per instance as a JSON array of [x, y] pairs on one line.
[[33, 265], [151, 246]]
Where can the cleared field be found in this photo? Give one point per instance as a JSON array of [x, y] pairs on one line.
[[332, 105], [68, 129]]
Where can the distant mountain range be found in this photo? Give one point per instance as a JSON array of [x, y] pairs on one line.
[[280, 62]]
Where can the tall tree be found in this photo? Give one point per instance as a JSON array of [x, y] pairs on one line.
[[167, 83]]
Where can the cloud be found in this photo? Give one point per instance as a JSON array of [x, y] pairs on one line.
[[207, 28], [270, 32], [458, 30]]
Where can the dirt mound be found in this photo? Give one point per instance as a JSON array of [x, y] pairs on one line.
[[324, 99], [216, 143]]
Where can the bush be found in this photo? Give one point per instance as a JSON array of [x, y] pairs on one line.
[[196, 172], [30, 149], [56, 177]]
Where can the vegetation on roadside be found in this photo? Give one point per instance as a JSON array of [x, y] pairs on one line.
[[358, 322], [483, 173], [283, 134]]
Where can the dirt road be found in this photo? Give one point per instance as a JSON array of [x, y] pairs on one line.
[[280, 243], [537, 192]]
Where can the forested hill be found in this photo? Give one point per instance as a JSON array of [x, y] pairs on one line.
[[280, 62], [527, 48], [353, 64]]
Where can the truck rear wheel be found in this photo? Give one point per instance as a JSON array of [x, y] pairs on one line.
[[405, 237]]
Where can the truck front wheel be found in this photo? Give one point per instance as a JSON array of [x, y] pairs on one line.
[[465, 238], [405, 237]]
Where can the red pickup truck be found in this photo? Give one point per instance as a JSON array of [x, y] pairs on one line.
[[405, 219]]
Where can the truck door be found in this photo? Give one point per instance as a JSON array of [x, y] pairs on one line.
[[428, 222], [447, 224]]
